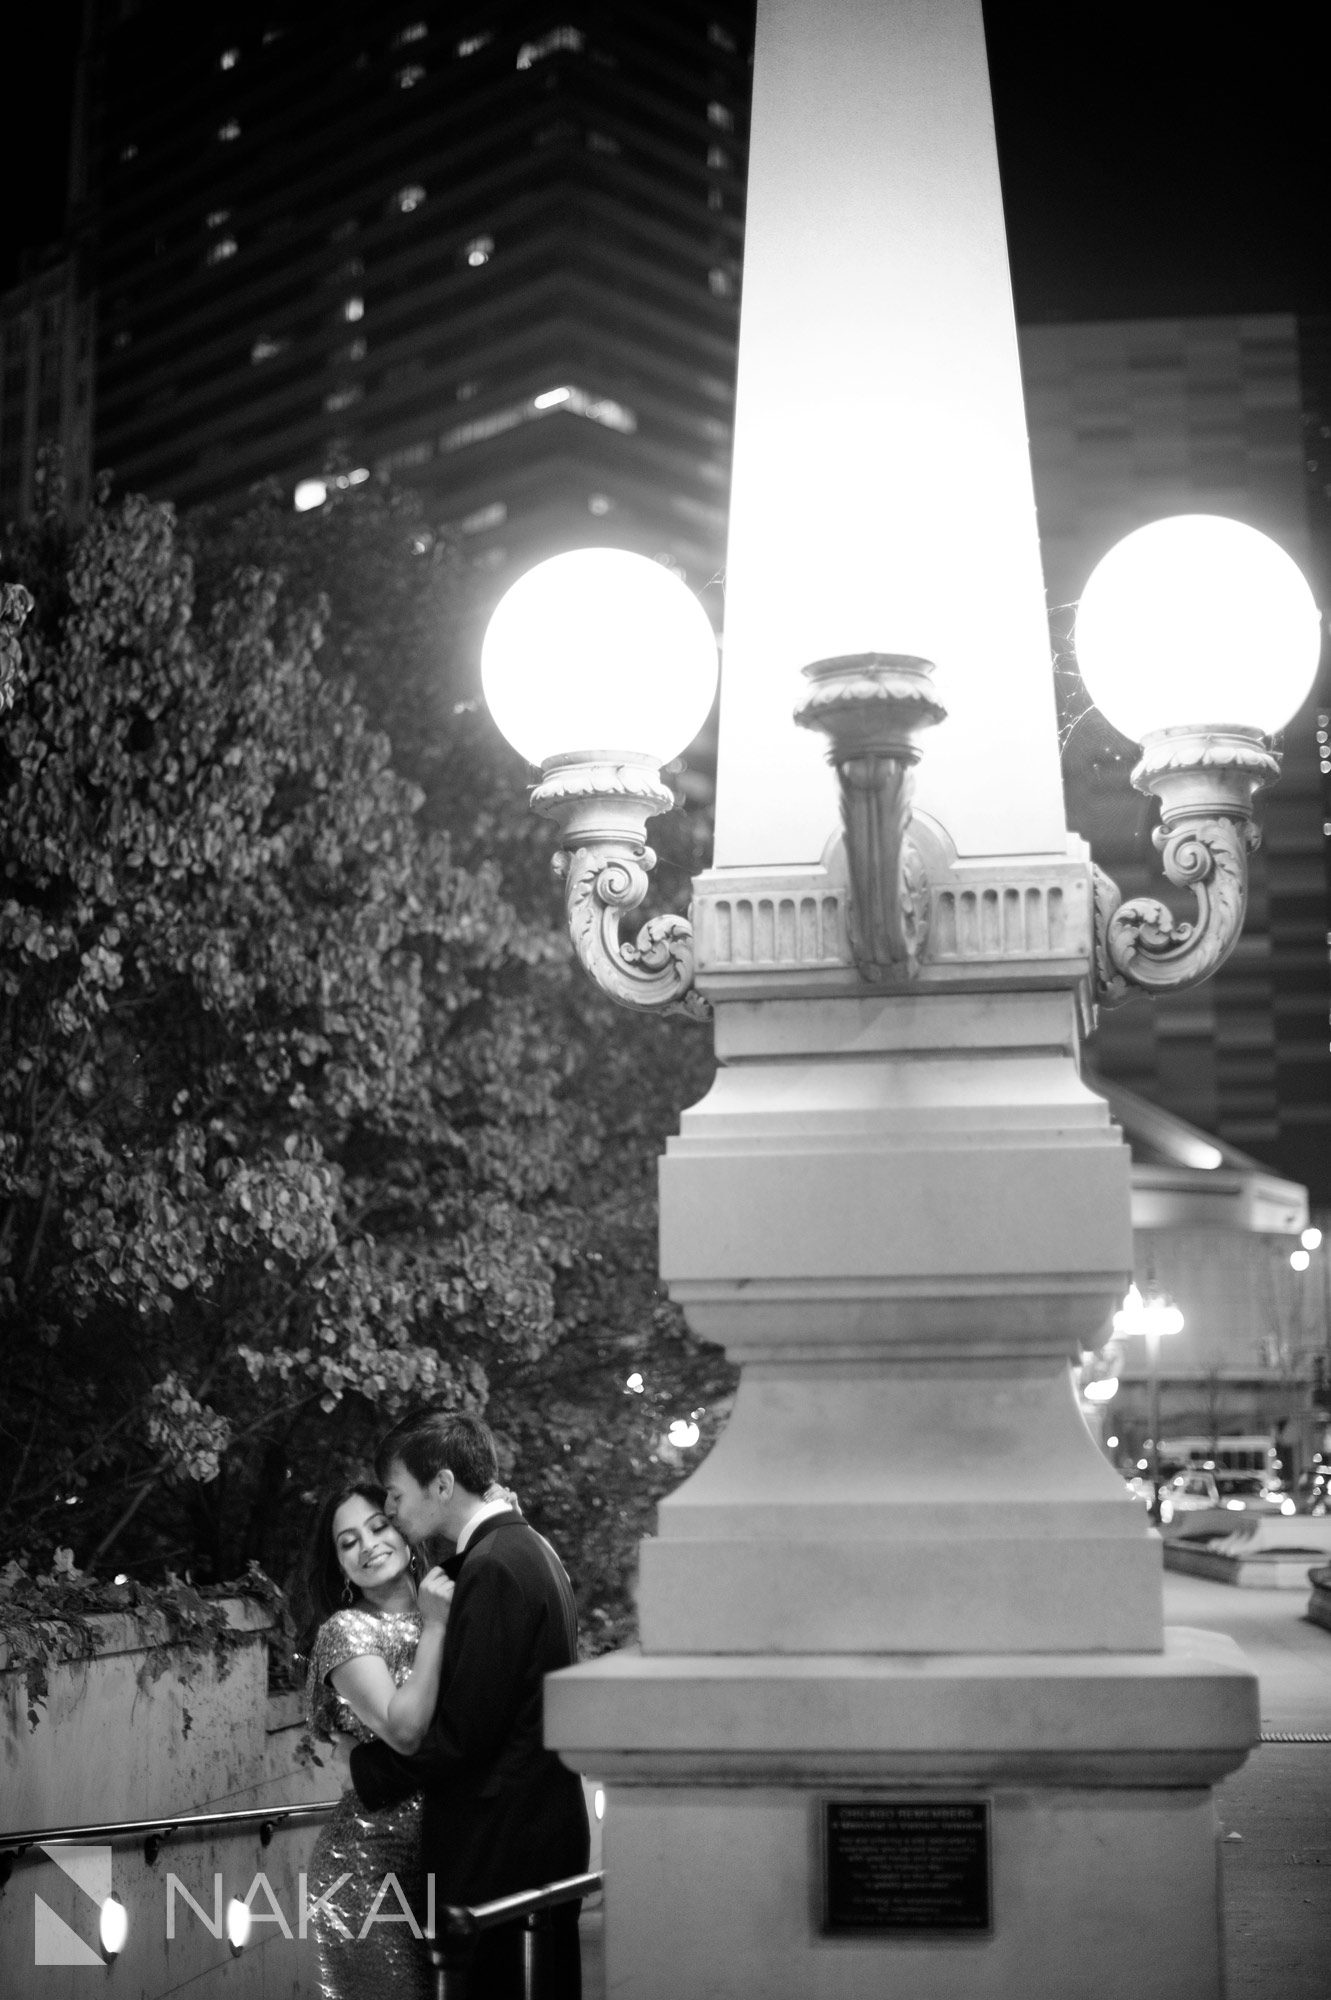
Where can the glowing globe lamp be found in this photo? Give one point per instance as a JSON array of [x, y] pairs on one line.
[[1197, 620], [599, 651]]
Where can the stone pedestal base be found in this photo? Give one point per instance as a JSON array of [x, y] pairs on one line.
[[1097, 1768]]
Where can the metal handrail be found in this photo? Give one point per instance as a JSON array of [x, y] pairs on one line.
[[452, 1954], [467, 1919], [162, 1824]]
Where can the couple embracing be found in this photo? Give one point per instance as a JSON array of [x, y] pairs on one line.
[[440, 1684]]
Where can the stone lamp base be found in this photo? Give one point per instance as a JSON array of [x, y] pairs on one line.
[[1096, 1770]]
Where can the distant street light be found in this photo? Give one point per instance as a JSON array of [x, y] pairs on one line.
[[1154, 1317]]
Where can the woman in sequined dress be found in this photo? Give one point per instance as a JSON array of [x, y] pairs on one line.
[[374, 1671]]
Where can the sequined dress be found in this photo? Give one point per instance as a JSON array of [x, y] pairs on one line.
[[387, 1962]]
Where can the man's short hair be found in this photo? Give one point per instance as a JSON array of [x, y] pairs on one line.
[[430, 1441]]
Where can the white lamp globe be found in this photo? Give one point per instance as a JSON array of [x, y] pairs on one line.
[[599, 650], [1197, 620]]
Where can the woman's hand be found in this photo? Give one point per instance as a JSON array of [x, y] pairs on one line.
[[434, 1594], [504, 1493]]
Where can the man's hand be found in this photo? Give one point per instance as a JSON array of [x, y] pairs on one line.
[[434, 1594]]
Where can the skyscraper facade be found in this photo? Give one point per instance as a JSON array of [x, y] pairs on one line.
[[46, 385], [493, 251]]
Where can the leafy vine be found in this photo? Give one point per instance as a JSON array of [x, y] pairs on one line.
[[46, 1620]]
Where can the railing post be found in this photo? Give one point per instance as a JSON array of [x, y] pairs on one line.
[[452, 1955], [535, 1952]]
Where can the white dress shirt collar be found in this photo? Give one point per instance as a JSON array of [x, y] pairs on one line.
[[483, 1513]]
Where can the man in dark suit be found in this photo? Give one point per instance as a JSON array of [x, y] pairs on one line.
[[501, 1813]]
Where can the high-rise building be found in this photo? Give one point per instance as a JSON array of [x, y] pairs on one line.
[[1129, 421], [493, 250], [46, 382]]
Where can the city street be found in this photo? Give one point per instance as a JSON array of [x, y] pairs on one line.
[[1277, 1871]]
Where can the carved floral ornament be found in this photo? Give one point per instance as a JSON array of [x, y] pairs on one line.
[[1193, 614], [873, 708]]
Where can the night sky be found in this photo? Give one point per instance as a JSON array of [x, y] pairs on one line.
[[1156, 160]]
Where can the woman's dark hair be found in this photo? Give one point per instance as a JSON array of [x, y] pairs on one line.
[[323, 1579]]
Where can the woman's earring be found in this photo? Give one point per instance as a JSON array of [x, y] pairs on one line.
[[348, 1593]]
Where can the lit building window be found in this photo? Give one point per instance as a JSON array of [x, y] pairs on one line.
[[721, 116], [577, 402], [128, 153], [466, 390], [229, 131], [570, 39], [716, 201], [479, 251], [415, 31], [493, 516], [407, 200], [228, 59], [225, 246], [717, 156], [471, 45], [720, 283], [217, 216], [410, 75], [342, 399], [482, 427], [353, 309], [267, 347], [405, 457], [720, 37], [601, 142]]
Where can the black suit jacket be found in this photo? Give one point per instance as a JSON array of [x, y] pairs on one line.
[[501, 1812]]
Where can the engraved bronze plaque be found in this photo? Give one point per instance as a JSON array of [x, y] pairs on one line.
[[905, 1865]]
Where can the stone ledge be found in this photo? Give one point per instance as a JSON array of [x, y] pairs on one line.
[[1183, 1716]]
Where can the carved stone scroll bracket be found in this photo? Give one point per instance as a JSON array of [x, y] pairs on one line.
[[871, 707], [1205, 780], [601, 802]]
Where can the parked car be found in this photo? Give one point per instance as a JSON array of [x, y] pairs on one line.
[[1201, 1489]]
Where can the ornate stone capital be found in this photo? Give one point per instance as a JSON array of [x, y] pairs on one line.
[[871, 707]]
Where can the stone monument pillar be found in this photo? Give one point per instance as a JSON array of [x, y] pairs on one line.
[[904, 1718]]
